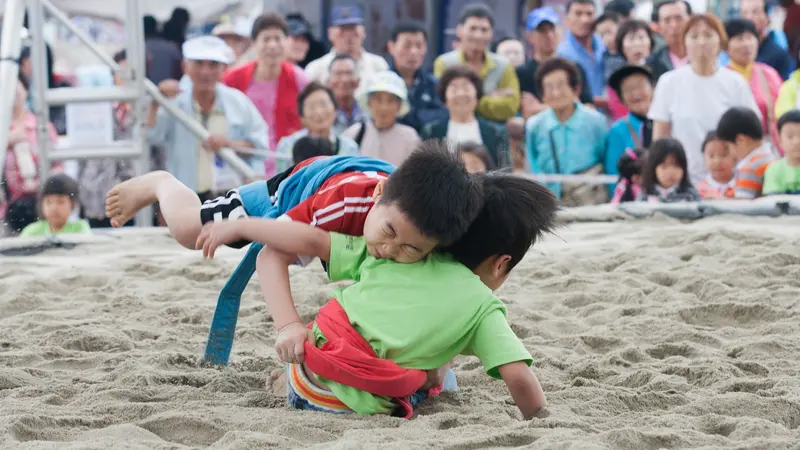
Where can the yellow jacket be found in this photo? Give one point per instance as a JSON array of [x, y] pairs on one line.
[[496, 73], [787, 96]]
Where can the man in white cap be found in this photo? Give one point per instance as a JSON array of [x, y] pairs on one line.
[[229, 116], [381, 136]]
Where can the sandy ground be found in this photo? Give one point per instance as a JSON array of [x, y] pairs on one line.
[[647, 335]]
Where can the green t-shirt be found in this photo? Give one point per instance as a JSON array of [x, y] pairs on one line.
[[42, 228], [418, 315], [781, 178]]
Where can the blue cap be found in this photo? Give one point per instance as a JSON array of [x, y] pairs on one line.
[[347, 15], [540, 15]]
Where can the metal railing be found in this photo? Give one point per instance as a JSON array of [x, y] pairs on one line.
[[136, 93]]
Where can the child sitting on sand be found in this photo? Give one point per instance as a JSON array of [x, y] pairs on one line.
[[741, 129], [418, 315], [57, 200], [783, 176], [666, 178], [629, 185], [719, 160]]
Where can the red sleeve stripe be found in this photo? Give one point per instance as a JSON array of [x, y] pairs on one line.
[[339, 209]]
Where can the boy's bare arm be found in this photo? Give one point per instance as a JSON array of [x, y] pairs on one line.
[[282, 235], [273, 272], [524, 388], [272, 268]]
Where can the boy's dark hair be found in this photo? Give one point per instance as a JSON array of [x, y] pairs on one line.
[[310, 88], [738, 26], [310, 146], [556, 64], [432, 187], [60, 185], [621, 7], [710, 137], [516, 212], [267, 21], [657, 7], [478, 150], [578, 2], [792, 116], [739, 120], [631, 26], [660, 150], [478, 10], [455, 72], [408, 26], [605, 17]]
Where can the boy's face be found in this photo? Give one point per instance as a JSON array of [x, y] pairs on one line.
[[719, 160], [383, 107], [56, 210], [790, 140], [739, 148], [637, 93], [390, 235]]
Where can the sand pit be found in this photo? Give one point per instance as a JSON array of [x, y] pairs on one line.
[[646, 335]]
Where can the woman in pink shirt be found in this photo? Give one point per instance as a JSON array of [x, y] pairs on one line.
[[764, 81], [635, 42], [19, 183]]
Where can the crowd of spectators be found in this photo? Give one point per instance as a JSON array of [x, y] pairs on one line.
[[680, 107]]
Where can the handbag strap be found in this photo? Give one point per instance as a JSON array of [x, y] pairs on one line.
[[634, 135], [762, 81], [553, 151], [361, 132]]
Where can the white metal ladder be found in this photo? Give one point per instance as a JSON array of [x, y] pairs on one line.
[[135, 92]]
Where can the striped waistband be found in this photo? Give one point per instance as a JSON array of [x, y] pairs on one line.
[[306, 389]]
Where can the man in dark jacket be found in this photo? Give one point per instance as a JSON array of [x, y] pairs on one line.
[[670, 16], [408, 46]]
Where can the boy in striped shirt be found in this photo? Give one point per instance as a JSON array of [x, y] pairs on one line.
[[741, 129]]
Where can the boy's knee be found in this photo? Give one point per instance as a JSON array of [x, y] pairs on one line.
[[264, 256]]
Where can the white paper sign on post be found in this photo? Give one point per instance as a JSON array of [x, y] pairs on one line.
[[91, 124]]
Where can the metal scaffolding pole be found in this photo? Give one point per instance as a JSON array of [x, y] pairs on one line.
[[136, 57], [40, 87], [228, 155], [9, 69]]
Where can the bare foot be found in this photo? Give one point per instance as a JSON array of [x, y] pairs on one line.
[[127, 198], [276, 382]]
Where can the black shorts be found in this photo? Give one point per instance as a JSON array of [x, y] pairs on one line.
[[230, 206]]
